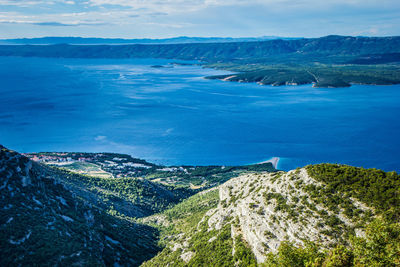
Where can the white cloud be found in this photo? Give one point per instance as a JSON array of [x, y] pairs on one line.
[[22, 3], [192, 5], [100, 138], [168, 18], [173, 5], [170, 6], [168, 25], [69, 19]]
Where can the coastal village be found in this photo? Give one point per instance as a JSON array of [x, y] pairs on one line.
[[116, 165]]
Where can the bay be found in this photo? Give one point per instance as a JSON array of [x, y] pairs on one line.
[[173, 116]]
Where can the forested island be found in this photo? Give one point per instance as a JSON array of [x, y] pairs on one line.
[[331, 61]]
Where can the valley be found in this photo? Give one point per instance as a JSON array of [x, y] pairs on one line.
[[199, 171], [203, 133], [324, 214]]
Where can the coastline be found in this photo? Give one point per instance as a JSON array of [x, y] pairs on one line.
[[273, 160], [342, 77], [235, 78]]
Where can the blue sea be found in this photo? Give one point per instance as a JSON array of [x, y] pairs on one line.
[[174, 116]]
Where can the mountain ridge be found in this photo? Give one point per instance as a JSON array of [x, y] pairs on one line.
[[335, 45], [286, 219], [44, 223], [330, 61], [174, 40], [324, 215]]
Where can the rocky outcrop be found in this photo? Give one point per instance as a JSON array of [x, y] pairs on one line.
[[268, 208]]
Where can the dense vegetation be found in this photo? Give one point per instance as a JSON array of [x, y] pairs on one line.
[[218, 252], [381, 244], [134, 197], [376, 188], [322, 75], [380, 248], [337, 47], [377, 59], [44, 224], [339, 185], [331, 61], [174, 40], [209, 248], [59, 217], [188, 213], [182, 218], [205, 176]]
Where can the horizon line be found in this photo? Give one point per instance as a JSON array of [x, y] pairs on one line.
[[200, 37]]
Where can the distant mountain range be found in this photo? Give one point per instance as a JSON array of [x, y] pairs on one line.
[[331, 61], [110, 41], [331, 49]]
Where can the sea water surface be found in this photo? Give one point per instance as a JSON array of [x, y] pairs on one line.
[[175, 116]]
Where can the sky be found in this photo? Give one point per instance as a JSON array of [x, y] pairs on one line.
[[202, 18]]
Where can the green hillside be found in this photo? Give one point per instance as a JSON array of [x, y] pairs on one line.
[[60, 212], [320, 215], [213, 232], [321, 75], [337, 47], [331, 61], [44, 224]]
